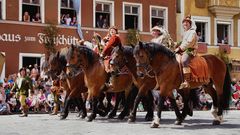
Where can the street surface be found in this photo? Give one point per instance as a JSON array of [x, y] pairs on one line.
[[44, 124]]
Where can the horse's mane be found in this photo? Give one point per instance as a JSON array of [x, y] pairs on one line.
[[127, 50], [89, 53], [154, 48]]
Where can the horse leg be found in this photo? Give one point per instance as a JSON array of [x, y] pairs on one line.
[[113, 113], [156, 121], [94, 109], [214, 109], [67, 102], [132, 116], [149, 100], [180, 118], [81, 107], [129, 102], [187, 109]]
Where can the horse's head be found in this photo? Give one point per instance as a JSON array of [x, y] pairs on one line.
[[143, 59], [54, 65], [118, 58]]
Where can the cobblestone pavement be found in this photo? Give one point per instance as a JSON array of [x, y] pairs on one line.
[[44, 124]]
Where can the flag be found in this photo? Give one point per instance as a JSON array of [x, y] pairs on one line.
[[77, 7]]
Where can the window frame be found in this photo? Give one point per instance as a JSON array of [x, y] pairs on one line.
[[3, 9], [112, 13], [59, 13], [38, 55], [165, 13], [42, 10], [207, 21], [140, 16], [224, 21], [238, 32], [2, 76]]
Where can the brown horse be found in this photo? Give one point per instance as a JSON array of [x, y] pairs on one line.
[[162, 61], [95, 76], [123, 57], [73, 85]]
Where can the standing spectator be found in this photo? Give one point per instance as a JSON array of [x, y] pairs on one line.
[[34, 74], [36, 18], [199, 36], [105, 24], [67, 19], [26, 17], [100, 22], [74, 22], [22, 85], [62, 21]]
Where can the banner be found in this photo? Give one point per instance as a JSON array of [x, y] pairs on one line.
[[77, 7]]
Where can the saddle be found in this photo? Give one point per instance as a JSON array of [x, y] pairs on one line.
[[199, 69]]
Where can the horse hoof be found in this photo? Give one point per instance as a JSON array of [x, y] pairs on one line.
[[83, 116], [91, 117], [131, 119], [216, 122], [148, 118], [178, 122], [121, 117], [63, 117], [154, 125], [111, 115]]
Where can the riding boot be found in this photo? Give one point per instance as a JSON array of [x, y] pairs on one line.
[[187, 77]]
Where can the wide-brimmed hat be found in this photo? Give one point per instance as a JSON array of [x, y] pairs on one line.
[[156, 28], [187, 19], [115, 28]]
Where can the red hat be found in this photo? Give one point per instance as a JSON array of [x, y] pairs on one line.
[[188, 19]]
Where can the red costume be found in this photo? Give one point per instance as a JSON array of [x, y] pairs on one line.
[[113, 42]]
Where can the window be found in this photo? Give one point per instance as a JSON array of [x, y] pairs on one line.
[[2, 9], [201, 31], [158, 16], [203, 28], [68, 13], [103, 14], [223, 33], [26, 59], [178, 4], [132, 16], [31, 11]]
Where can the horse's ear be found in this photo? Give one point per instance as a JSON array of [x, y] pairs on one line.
[[140, 44]]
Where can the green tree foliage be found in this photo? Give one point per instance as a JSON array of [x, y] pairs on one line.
[[50, 32], [132, 37]]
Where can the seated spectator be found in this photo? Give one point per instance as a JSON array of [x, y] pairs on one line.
[[50, 101], [37, 18], [26, 17], [32, 101], [237, 85], [41, 100], [12, 101], [74, 22], [4, 108]]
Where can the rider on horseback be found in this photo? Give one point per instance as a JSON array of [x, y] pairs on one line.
[[187, 49], [112, 40]]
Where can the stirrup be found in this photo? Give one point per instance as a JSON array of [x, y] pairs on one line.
[[185, 84]]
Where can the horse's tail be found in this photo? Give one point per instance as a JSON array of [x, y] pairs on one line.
[[226, 96]]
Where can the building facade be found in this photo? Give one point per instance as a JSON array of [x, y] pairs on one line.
[[218, 27], [22, 24]]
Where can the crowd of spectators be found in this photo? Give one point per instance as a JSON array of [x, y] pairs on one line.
[[67, 20], [27, 18], [39, 100]]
